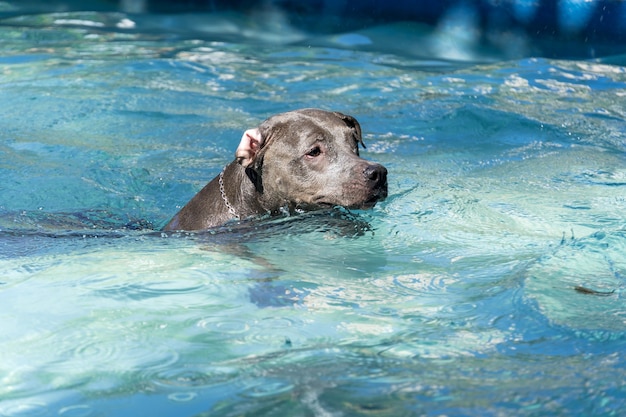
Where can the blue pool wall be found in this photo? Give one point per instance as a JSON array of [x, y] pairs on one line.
[[576, 29]]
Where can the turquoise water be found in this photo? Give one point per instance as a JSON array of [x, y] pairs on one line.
[[490, 282]]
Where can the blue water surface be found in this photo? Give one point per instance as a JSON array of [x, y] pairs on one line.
[[490, 282]]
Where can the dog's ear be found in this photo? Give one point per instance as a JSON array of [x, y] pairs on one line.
[[251, 143], [352, 123]]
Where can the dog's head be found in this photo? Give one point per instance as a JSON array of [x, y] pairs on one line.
[[309, 158]]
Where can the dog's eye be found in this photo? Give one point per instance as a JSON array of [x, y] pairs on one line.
[[315, 152]]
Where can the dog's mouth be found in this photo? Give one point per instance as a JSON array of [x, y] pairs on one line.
[[374, 197], [370, 202], [378, 194]]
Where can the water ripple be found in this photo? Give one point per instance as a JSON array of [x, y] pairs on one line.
[[226, 326], [81, 356], [135, 291], [421, 283], [266, 387], [24, 410], [581, 284], [79, 410], [181, 397], [194, 377]]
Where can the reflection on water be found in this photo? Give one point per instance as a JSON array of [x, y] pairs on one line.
[[460, 294]]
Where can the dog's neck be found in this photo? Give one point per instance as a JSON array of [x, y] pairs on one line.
[[241, 191], [229, 206]]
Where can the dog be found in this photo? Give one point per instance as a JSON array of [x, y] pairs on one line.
[[301, 160]]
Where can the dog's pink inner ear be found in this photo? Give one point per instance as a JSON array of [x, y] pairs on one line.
[[250, 144]]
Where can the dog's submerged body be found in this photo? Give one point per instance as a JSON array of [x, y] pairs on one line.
[[304, 159]]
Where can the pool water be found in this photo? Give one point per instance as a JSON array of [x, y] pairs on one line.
[[490, 282]]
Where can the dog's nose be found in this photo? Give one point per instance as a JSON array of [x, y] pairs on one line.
[[376, 174]]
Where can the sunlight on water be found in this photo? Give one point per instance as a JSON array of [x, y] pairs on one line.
[[490, 282]]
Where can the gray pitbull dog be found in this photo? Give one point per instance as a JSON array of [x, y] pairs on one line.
[[300, 160]]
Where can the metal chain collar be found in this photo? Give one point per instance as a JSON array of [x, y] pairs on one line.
[[229, 206]]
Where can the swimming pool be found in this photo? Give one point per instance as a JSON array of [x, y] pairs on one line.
[[490, 282]]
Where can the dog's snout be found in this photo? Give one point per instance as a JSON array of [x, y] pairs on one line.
[[376, 174]]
